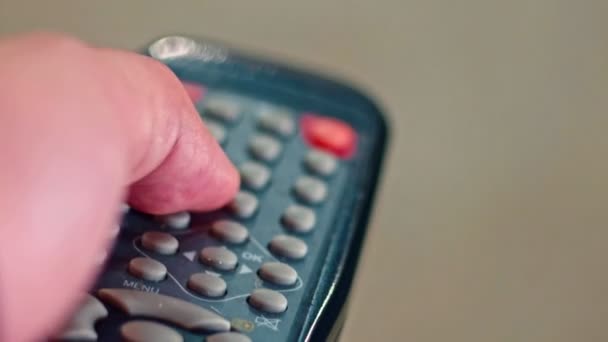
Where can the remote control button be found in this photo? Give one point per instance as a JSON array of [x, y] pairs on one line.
[[268, 300], [278, 273], [159, 242], [207, 285], [229, 231], [228, 337], [254, 175], [147, 269], [217, 131], [82, 325], [264, 147], [220, 258], [244, 205], [170, 309], [329, 134], [277, 121], [288, 246], [179, 220], [221, 109], [310, 190], [299, 219], [320, 162], [147, 331]]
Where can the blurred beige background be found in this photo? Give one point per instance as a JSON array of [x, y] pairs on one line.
[[492, 223]]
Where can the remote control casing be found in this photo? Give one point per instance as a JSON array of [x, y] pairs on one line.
[[318, 300]]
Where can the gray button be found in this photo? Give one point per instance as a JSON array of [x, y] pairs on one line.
[[244, 204], [288, 246], [146, 331], [320, 162], [278, 273], [217, 131], [277, 121], [229, 231], [147, 269], [268, 300], [179, 220], [264, 147], [207, 285], [222, 109], [254, 175], [299, 218], [82, 325], [228, 337], [310, 190], [170, 309], [159, 242], [220, 258]]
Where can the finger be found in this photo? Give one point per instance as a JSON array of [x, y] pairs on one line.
[[182, 165], [78, 125]]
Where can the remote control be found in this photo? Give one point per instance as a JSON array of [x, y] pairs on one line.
[[276, 264]]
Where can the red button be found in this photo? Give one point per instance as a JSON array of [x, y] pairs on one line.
[[195, 91], [329, 134]]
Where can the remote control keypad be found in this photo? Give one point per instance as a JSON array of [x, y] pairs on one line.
[[248, 262]]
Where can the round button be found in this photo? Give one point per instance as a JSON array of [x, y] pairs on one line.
[[310, 190], [299, 219], [147, 331], [219, 258], [278, 273], [147, 269], [288, 246], [268, 300], [159, 242], [229, 231], [265, 147], [179, 220], [244, 204], [207, 285], [320, 162]]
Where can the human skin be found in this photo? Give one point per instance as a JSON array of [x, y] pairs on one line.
[[83, 129]]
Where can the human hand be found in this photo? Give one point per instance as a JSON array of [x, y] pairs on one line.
[[83, 129]]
